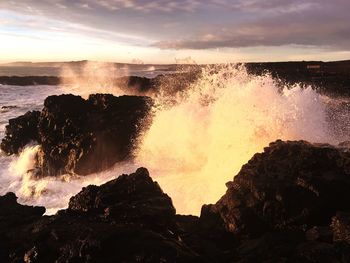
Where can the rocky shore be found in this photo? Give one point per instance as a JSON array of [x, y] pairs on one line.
[[327, 77], [132, 85], [80, 136], [287, 204]]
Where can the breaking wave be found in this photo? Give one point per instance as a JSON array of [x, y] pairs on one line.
[[200, 137]]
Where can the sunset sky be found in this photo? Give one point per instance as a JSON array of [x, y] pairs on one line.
[[161, 31]]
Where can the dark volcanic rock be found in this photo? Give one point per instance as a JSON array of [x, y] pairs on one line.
[[327, 77], [341, 227], [80, 136], [128, 219], [290, 184], [320, 233], [29, 80], [20, 131], [281, 204], [12, 217], [128, 198], [281, 207], [14, 214]]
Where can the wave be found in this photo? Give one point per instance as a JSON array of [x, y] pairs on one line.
[[200, 137], [195, 146]]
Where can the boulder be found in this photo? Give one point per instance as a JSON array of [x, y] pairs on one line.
[[319, 233], [341, 227], [20, 131], [287, 204], [282, 205], [13, 214], [133, 197], [80, 136], [128, 219], [290, 184]]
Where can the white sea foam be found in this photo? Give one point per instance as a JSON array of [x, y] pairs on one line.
[[200, 142]]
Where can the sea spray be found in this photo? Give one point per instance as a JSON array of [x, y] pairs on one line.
[[195, 146], [52, 192], [199, 138], [91, 77]]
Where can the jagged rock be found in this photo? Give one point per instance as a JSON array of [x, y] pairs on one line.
[[126, 198], [341, 227], [317, 252], [128, 219], [290, 184], [20, 131], [80, 136], [12, 217], [281, 203], [31, 256], [281, 207], [320, 233], [14, 214], [277, 246]]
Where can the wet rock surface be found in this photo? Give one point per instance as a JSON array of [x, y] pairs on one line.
[[287, 204], [128, 219], [20, 131], [284, 203], [80, 136], [290, 184]]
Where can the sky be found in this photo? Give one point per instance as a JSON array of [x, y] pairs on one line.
[[166, 31]]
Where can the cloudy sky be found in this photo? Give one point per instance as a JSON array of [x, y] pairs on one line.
[[163, 31]]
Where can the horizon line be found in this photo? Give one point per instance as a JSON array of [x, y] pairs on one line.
[[169, 64]]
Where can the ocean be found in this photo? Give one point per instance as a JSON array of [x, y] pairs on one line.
[[195, 145]]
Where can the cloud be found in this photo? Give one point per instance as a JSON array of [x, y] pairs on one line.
[[191, 24], [154, 6], [129, 17], [282, 6], [304, 23], [149, 6], [15, 24], [146, 6]]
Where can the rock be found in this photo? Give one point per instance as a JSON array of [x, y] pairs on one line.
[[29, 80], [80, 136], [128, 219], [63, 134], [31, 256], [20, 131], [281, 204], [133, 197], [92, 135], [14, 214], [130, 85], [330, 78], [281, 207], [345, 144], [8, 107], [317, 233], [277, 246], [341, 227], [290, 184], [317, 252]]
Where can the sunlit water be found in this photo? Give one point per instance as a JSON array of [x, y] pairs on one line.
[[196, 143]]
